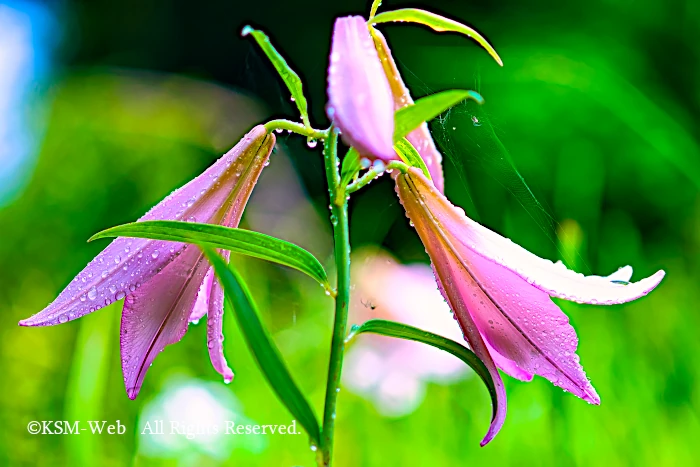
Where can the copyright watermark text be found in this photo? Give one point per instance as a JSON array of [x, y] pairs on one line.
[[65, 427]]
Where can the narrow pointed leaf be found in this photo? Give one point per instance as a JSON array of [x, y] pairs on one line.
[[403, 331], [246, 242], [289, 76], [425, 109], [375, 6], [410, 155], [437, 23], [263, 348], [351, 166]]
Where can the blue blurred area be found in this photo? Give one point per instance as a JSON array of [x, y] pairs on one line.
[[28, 32]]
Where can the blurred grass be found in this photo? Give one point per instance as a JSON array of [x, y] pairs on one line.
[[598, 107]]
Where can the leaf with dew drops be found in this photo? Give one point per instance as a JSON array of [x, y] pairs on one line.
[[425, 109], [404, 331], [351, 166], [246, 242], [373, 10], [437, 23], [410, 155], [289, 76], [262, 347]]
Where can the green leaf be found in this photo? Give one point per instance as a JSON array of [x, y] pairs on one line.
[[437, 23], [425, 109], [241, 241], [289, 76], [375, 6], [410, 155], [351, 166], [403, 331], [263, 348]]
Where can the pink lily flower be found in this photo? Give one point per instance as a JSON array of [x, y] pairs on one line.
[[360, 102], [167, 284], [500, 294], [365, 88]]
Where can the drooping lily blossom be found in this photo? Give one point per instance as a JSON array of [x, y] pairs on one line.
[[500, 294], [167, 284], [420, 138], [360, 102]]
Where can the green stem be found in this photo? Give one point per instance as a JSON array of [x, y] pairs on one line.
[[341, 239], [371, 174], [296, 128], [366, 179]]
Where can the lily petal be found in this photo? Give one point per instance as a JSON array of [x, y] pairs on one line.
[[420, 137], [215, 335], [452, 283], [526, 333], [360, 102], [553, 278], [166, 284], [127, 263], [201, 305], [157, 315]]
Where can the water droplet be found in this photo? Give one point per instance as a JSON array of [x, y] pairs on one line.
[[113, 288], [312, 143], [155, 254], [120, 295], [117, 259], [62, 319], [92, 293]]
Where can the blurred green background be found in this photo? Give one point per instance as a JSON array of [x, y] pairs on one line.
[[597, 105]]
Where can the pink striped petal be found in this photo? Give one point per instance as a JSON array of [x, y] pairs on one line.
[[215, 335], [201, 305], [420, 137], [553, 278], [360, 103], [451, 282], [525, 331], [157, 315], [127, 263], [166, 283]]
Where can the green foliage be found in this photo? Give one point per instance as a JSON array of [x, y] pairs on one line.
[[404, 331], [289, 76], [425, 109], [266, 354], [437, 23], [351, 166], [410, 155], [240, 241]]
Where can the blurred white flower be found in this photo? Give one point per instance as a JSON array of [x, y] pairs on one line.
[[194, 414], [390, 372]]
